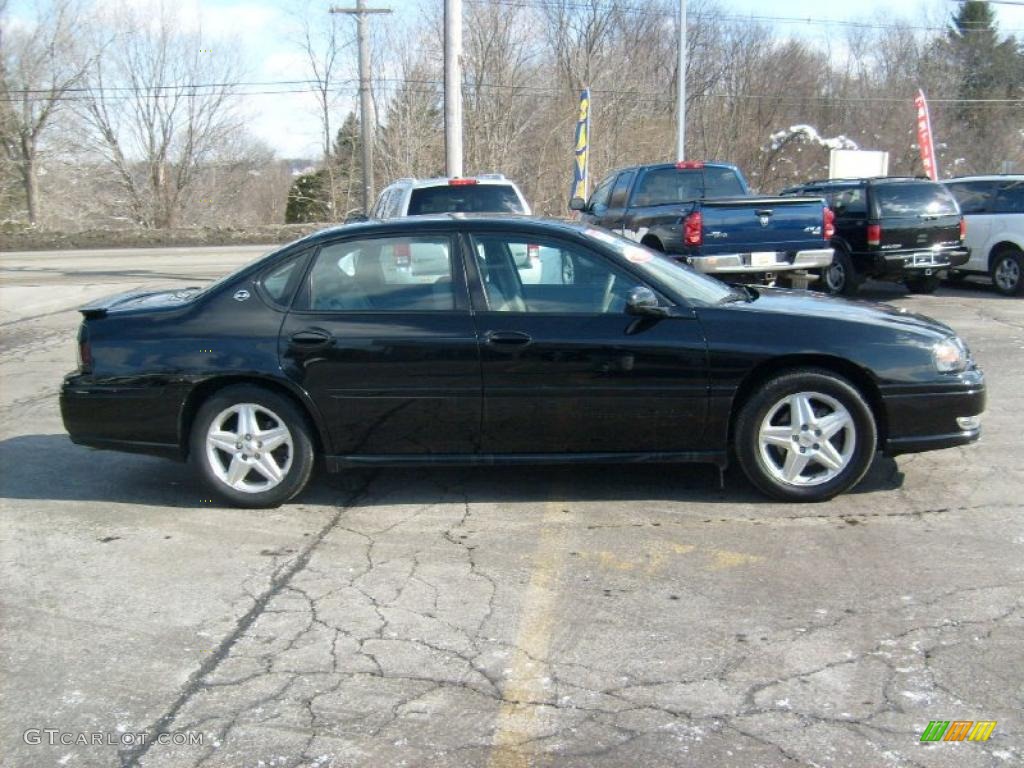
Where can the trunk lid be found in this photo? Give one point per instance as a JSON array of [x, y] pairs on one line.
[[138, 300]]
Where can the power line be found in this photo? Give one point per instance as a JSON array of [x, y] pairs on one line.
[[349, 86], [734, 17]]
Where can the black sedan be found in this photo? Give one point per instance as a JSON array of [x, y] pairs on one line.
[[455, 340]]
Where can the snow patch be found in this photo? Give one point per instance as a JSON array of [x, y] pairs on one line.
[[808, 134]]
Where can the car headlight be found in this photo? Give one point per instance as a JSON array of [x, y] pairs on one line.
[[950, 355]]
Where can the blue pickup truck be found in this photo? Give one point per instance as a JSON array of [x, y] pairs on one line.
[[705, 215]]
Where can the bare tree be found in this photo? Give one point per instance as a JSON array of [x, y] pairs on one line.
[[323, 42], [159, 103], [38, 67]]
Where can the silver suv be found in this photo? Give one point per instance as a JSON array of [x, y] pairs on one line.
[[487, 193], [993, 207]]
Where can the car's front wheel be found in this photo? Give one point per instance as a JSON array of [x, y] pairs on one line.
[[805, 435], [252, 446]]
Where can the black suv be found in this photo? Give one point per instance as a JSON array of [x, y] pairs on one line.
[[892, 228]]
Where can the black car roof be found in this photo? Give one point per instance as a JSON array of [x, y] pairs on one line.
[[509, 221]]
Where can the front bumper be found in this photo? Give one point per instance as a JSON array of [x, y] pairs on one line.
[[927, 417], [760, 262]]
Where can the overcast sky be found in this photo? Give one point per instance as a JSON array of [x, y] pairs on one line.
[[287, 122]]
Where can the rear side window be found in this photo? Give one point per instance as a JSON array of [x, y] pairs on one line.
[[279, 282], [662, 186], [913, 198], [849, 202], [973, 196], [1010, 198], [467, 198]]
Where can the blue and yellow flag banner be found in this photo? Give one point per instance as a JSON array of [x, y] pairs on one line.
[[580, 168]]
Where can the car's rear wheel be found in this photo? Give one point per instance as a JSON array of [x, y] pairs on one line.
[[806, 435], [1008, 272], [922, 283], [841, 278], [252, 446]]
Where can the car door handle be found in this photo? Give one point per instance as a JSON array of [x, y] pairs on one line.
[[764, 212], [507, 338], [311, 337]]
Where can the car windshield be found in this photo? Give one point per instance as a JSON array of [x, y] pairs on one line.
[[683, 280], [465, 198], [915, 198]]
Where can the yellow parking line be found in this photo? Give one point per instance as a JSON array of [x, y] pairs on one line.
[[517, 717]]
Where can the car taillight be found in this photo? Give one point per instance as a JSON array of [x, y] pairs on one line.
[[689, 165], [84, 351], [963, 228], [402, 255], [693, 229], [533, 253], [461, 182], [828, 223], [874, 234]]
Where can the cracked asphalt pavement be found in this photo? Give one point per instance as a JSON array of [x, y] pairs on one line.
[[499, 617]]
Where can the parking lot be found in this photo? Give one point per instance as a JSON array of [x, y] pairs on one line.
[[597, 616]]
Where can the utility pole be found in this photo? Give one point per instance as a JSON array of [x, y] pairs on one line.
[[453, 87], [681, 95], [366, 117]]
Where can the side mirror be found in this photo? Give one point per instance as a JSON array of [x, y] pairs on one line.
[[578, 204], [355, 218], [643, 301]]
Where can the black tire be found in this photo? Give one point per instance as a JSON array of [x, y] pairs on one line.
[[841, 278], [922, 283], [295, 458], [769, 400], [1007, 272], [956, 278]]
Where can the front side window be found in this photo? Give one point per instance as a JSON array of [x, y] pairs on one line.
[[522, 274], [391, 274], [621, 189], [602, 194], [973, 196], [465, 198]]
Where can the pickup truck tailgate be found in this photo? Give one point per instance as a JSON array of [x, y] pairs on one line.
[[752, 224]]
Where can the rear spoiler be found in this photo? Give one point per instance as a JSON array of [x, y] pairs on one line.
[[102, 307]]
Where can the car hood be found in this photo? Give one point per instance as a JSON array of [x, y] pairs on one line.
[[810, 304], [136, 300]]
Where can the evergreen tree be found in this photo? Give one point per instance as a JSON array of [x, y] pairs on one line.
[[308, 199]]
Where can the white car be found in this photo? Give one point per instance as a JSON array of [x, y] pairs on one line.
[[487, 193], [993, 207]]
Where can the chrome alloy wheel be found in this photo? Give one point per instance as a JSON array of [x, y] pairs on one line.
[[1007, 274], [835, 277], [249, 448], [806, 439]]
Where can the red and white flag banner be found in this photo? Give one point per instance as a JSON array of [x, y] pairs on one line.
[[924, 137]]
